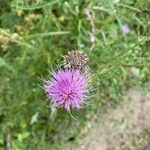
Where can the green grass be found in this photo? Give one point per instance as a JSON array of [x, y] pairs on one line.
[[34, 35]]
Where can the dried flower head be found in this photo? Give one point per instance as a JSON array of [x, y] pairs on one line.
[[67, 88], [76, 60]]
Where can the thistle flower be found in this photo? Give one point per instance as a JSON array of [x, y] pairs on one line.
[[67, 88], [125, 29]]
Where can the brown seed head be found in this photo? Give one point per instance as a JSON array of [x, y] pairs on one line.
[[76, 60]]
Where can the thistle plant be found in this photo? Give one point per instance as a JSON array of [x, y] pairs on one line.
[[69, 87]]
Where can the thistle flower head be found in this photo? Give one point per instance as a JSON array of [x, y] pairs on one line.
[[67, 88], [125, 29]]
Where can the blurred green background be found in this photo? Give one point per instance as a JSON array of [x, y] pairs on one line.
[[35, 34]]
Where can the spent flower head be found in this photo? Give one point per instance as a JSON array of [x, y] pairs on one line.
[[76, 60]]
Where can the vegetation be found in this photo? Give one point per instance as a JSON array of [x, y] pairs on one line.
[[35, 34]]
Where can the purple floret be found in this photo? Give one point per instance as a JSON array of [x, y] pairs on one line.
[[125, 29], [67, 88]]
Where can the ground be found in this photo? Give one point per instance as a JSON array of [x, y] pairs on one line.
[[121, 127]]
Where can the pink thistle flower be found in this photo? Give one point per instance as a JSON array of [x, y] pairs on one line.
[[67, 88], [125, 29]]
